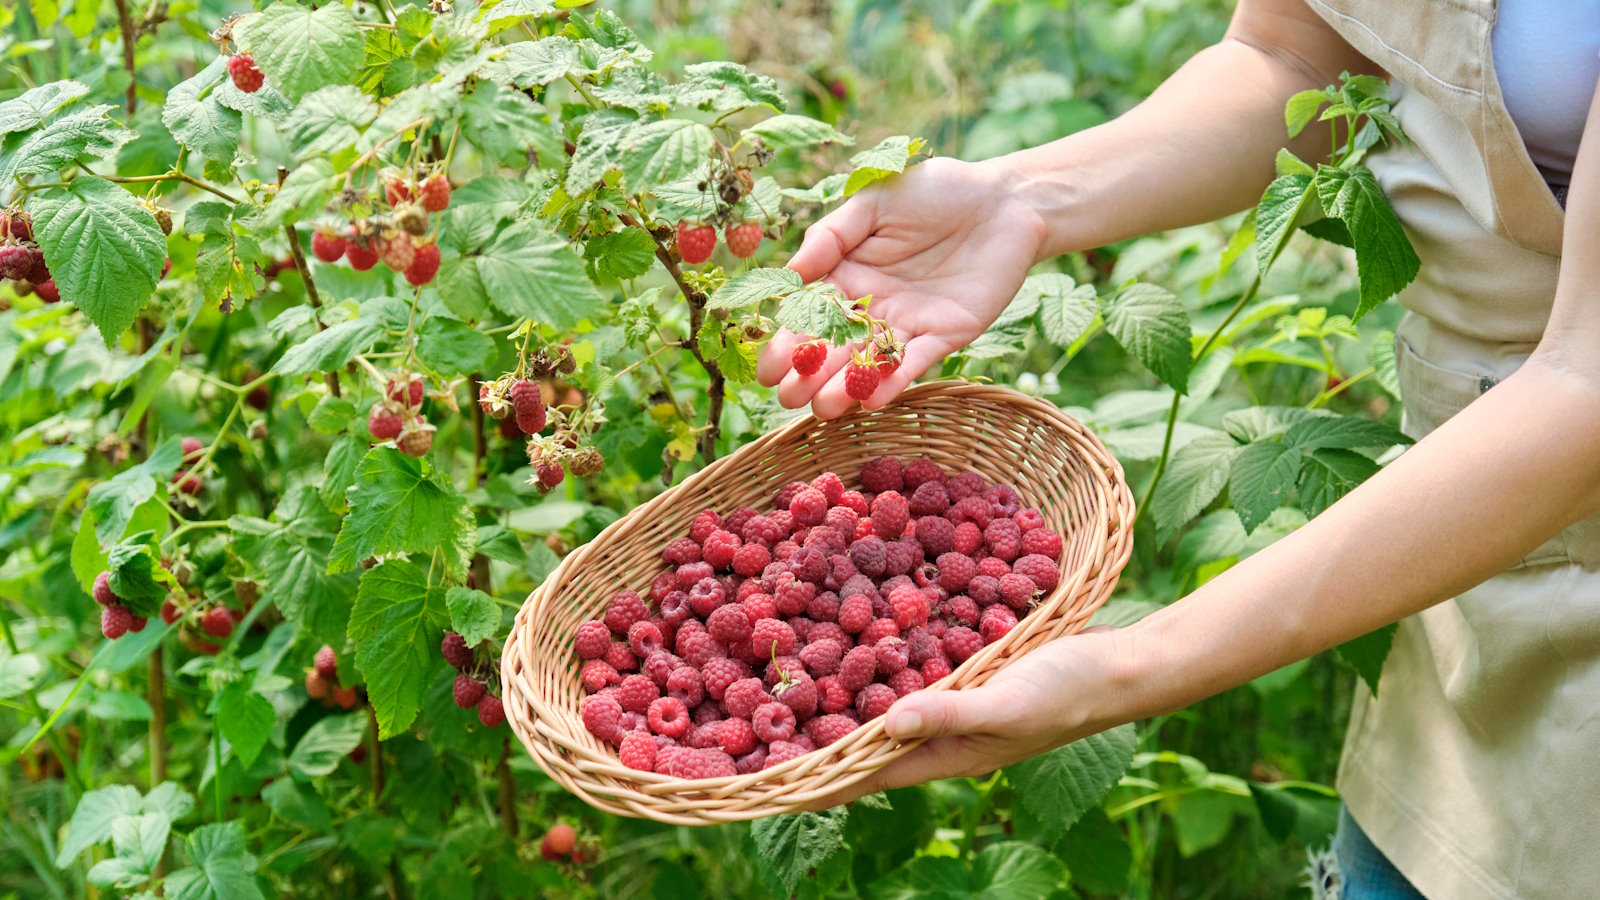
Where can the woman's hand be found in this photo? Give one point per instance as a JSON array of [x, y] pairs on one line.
[[1069, 688], [941, 249]]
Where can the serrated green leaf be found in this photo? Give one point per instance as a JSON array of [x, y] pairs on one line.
[[515, 9], [396, 626], [737, 362], [814, 310], [1327, 475], [32, 107], [1287, 203], [303, 195], [328, 121], [1066, 309], [1366, 654], [792, 845], [623, 255], [598, 149], [331, 415], [220, 869], [1006, 334], [1383, 365], [1262, 476], [754, 287], [329, 350], [299, 49], [890, 157], [103, 247], [265, 102], [197, 118], [1059, 786], [1385, 261], [1257, 423], [788, 130], [453, 348], [93, 818], [532, 64], [654, 153], [331, 739], [726, 86], [1194, 478], [339, 472], [1343, 433], [136, 574], [395, 508], [1150, 323], [1216, 536], [82, 134], [827, 190], [530, 272], [1302, 109], [503, 123], [473, 614], [245, 719]]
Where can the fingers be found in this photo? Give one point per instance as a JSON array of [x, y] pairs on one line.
[[932, 714], [922, 353], [797, 390], [943, 758], [835, 235], [774, 361]]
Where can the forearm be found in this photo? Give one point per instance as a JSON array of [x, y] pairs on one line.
[[1469, 500]]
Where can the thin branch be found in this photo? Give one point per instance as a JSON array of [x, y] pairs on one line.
[[129, 36]]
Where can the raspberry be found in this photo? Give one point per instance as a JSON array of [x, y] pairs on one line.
[[103, 594], [246, 77], [705, 523], [637, 692], [592, 641], [47, 291], [720, 674], [809, 507], [890, 513], [921, 645], [909, 607], [424, 264], [317, 687], [877, 631], [773, 638], [856, 502], [996, 622], [832, 696], [869, 555], [360, 252], [623, 609], [1003, 500], [858, 667], [686, 685], [326, 662], [1040, 569], [780, 752], [906, 681], [739, 518], [923, 471], [491, 711], [759, 529], [783, 668], [467, 691], [955, 571], [994, 567], [719, 547], [961, 642], [549, 474], [327, 246], [754, 761], [621, 657], [669, 717], [936, 534], [659, 666], [758, 606], [16, 263], [772, 721], [1029, 519], [750, 559], [17, 223], [681, 552], [706, 596], [115, 620], [1003, 537], [417, 439], [169, 612], [829, 729], [706, 763], [695, 242], [743, 696], [807, 358], [787, 492], [434, 193], [822, 657], [844, 520], [799, 693], [735, 736], [601, 715], [743, 239], [395, 189], [1040, 542], [966, 539], [525, 399], [966, 484], [729, 624], [810, 564], [874, 700], [934, 669], [929, 499], [216, 622], [644, 638], [964, 609], [638, 751], [345, 698], [384, 422], [861, 381], [899, 557], [1017, 590], [699, 648], [598, 674], [971, 509]]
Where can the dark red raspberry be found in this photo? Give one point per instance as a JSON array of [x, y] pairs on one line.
[[869, 555], [855, 613], [994, 567], [593, 640], [893, 655], [936, 534], [832, 696], [169, 612], [1017, 590], [772, 721], [1040, 569], [858, 667], [424, 264], [246, 77], [705, 522], [664, 584], [856, 502], [754, 761], [687, 685], [971, 509], [759, 606], [216, 622], [719, 674], [601, 715], [842, 519], [743, 696], [491, 711], [623, 609], [455, 651], [780, 752], [807, 358], [890, 513], [799, 693], [719, 547], [691, 574], [877, 631], [966, 539], [597, 674], [963, 609], [829, 729], [326, 662], [739, 518], [955, 571], [659, 666], [637, 692], [116, 620], [929, 499], [360, 252], [961, 642], [103, 594], [1041, 542], [909, 607], [549, 474], [922, 471], [644, 638], [751, 559], [695, 242], [773, 637], [861, 380], [698, 648], [905, 681], [384, 421], [1029, 519], [966, 484], [787, 492], [899, 557], [996, 622], [434, 193], [810, 564], [822, 657], [529, 405], [706, 596], [468, 691], [1003, 500], [729, 624], [638, 751], [874, 700], [327, 246], [935, 668], [668, 716], [761, 530], [1003, 537], [809, 506]]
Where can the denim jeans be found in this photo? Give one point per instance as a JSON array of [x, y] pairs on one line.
[[1364, 872]]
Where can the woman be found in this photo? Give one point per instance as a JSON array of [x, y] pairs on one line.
[[1474, 773]]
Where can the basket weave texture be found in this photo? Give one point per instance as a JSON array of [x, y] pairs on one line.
[[1054, 463]]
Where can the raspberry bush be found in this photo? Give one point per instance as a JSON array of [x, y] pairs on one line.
[[328, 329]]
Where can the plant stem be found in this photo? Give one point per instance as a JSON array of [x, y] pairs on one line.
[[508, 794], [184, 177], [129, 36], [304, 268]]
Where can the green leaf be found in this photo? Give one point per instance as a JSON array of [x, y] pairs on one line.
[[532, 64], [300, 49], [814, 310], [787, 131], [136, 574], [290, 554], [503, 123], [329, 350], [1302, 109], [1385, 261], [792, 845], [396, 626], [395, 508], [1262, 476], [1286, 205], [82, 134], [303, 195], [331, 415], [331, 739], [889, 158], [32, 107], [1383, 364], [265, 102], [1006, 334], [1256, 423], [339, 472], [103, 247], [530, 272], [328, 121], [94, 817], [1150, 323], [1097, 855], [755, 287], [220, 868], [725, 86], [1066, 309], [1194, 478], [1367, 653], [654, 153], [19, 673], [515, 9], [245, 719], [453, 348], [623, 254], [473, 614], [202, 123], [1058, 787], [1327, 475], [1306, 812], [829, 189], [1008, 870], [296, 804], [1343, 433]]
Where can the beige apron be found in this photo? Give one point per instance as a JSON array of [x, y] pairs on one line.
[[1476, 769]]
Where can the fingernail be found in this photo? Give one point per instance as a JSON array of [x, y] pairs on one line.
[[907, 724]]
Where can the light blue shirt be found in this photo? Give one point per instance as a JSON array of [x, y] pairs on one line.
[[1547, 58]]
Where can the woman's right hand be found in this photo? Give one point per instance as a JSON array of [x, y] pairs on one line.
[[941, 250]]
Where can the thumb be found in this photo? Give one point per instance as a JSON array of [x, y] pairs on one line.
[[928, 714]]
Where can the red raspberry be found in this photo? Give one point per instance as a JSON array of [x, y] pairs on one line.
[[964, 609], [1029, 519], [707, 763], [17, 223], [326, 662], [996, 622], [695, 242], [623, 609], [809, 506], [468, 691], [899, 557], [793, 596], [743, 696], [549, 474], [398, 252], [705, 522], [1040, 542], [869, 555], [843, 520], [729, 624], [681, 552], [759, 606], [525, 399], [877, 631], [719, 547], [892, 655], [994, 567], [317, 687], [601, 715], [719, 674], [659, 666], [455, 651], [807, 358], [1003, 500], [360, 252], [246, 77], [935, 668], [1004, 539], [861, 381], [923, 471], [929, 499], [686, 685], [855, 613], [169, 612], [593, 640], [491, 711], [1042, 570], [772, 721], [858, 667], [890, 513], [103, 594], [327, 246], [909, 607], [829, 729], [638, 751], [762, 530], [810, 564], [906, 681], [116, 620], [822, 657], [434, 193], [424, 264], [216, 622], [920, 646], [832, 696], [874, 700], [699, 648], [783, 668], [772, 637], [735, 736], [971, 509], [47, 291], [750, 559], [936, 534], [706, 596], [384, 422], [856, 501], [644, 638], [955, 571], [739, 518], [966, 539], [743, 239], [395, 189], [780, 752], [799, 693], [637, 692], [669, 717], [597, 674], [1017, 591], [966, 484], [961, 642], [831, 486], [345, 698]]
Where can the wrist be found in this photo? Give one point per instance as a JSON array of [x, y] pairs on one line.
[[1048, 196]]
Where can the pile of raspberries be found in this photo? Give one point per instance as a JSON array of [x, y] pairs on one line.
[[774, 633]]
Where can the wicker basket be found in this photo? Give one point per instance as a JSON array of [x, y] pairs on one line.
[[1052, 460]]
